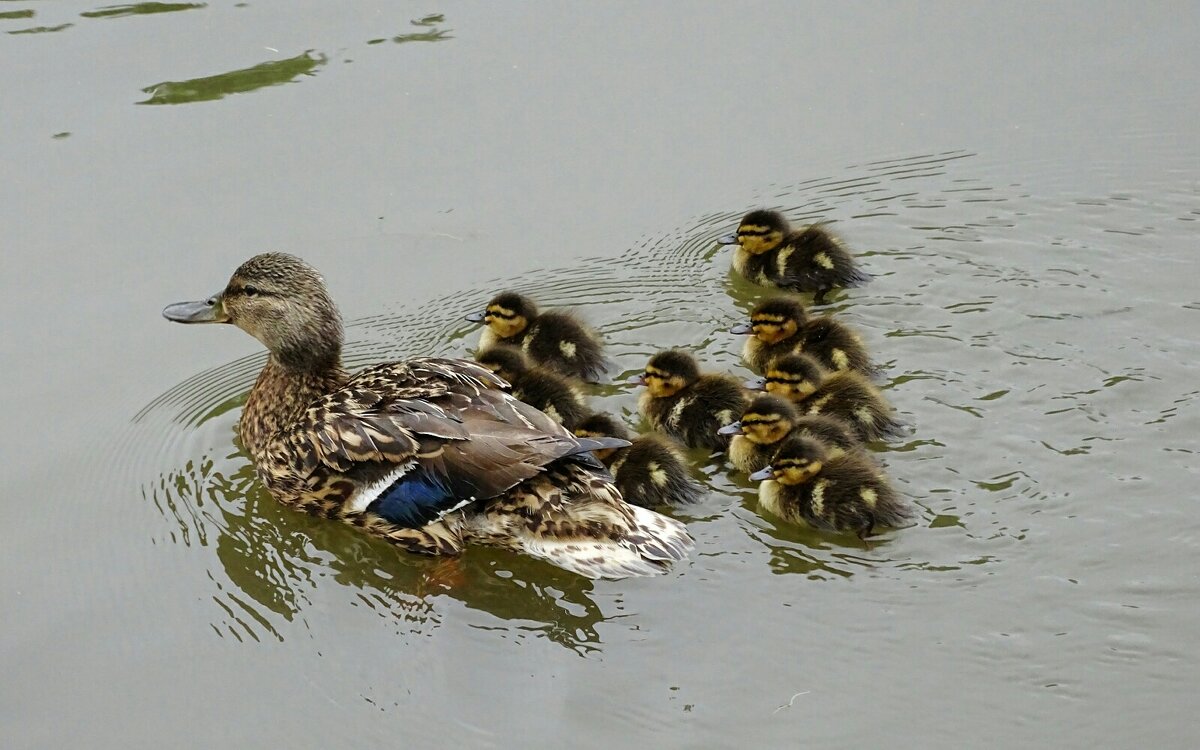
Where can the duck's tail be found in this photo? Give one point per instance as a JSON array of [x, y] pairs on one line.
[[577, 520]]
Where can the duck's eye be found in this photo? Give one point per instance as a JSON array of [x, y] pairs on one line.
[[250, 290]]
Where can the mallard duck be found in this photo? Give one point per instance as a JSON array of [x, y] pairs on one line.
[[781, 325], [848, 493], [431, 454], [650, 472], [540, 388], [768, 420], [556, 339], [807, 259], [814, 390], [686, 404]]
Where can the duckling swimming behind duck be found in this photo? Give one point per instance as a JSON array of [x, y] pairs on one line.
[[540, 388], [682, 402], [848, 395], [782, 325], [807, 259], [768, 420], [555, 339], [650, 472], [848, 493], [430, 454]]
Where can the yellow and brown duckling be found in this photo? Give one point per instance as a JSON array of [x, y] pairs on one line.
[[686, 404], [430, 454], [768, 420], [806, 259], [782, 325], [650, 472], [814, 390], [805, 485], [539, 387], [556, 339]]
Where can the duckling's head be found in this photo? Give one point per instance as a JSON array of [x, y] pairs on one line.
[[774, 320], [766, 420], [759, 232], [668, 372], [601, 425], [281, 301], [797, 461], [508, 362], [508, 314], [794, 376]]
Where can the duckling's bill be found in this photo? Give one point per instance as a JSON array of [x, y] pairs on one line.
[[476, 317], [742, 329], [731, 429], [639, 379], [729, 239], [755, 384], [201, 311], [762, 474]]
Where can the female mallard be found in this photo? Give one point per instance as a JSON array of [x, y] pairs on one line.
[[781, 325], [540, 388], [848, 493], [685, 404], [814, 390], [430, 454], [808, 259], [768, 420], [557, 340], [650, 472]]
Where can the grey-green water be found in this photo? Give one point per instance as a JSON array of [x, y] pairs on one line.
[[1022, 180]]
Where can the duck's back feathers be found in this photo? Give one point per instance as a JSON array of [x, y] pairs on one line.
[[651, 473], [560, 341], [813, 259], [835, 345], [576, 520]]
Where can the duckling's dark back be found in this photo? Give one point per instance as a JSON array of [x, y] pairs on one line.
[[651, 473], [560, 341]]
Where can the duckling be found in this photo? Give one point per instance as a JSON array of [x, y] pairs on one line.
[[814, 390], [686, 404], [556, 339], [781, 325], [540, 388], [807, 259], [650, 472], [848, 493], [430, 454], [768, 420]]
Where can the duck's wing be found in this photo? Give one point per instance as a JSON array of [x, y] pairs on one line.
[[421, 438]]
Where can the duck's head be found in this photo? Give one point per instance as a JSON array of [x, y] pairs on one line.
[[798, 460], [766, 420], [506, 361], [281, 301], [602, 425], [759, 232], [667, 373], [774, 320], [508, 314], [793, 376]]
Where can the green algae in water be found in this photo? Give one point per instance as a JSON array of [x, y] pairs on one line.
[[210, 88], [138, 9]]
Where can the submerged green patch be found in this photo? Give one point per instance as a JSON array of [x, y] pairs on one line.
[[209, 88], [138, 9]]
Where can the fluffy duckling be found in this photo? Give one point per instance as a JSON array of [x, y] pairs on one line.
[[814, 390], [807, 259], [682, 402], [781, 325], [556, 339], [768, 420], [540, 388], [848, 493], [650, 472]]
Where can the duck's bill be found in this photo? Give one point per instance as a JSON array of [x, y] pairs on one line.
[[639, 379], [729, 239], [731, 429], [755, 384], [761, 474], [203, 311], [475, 317], [742, 329]]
